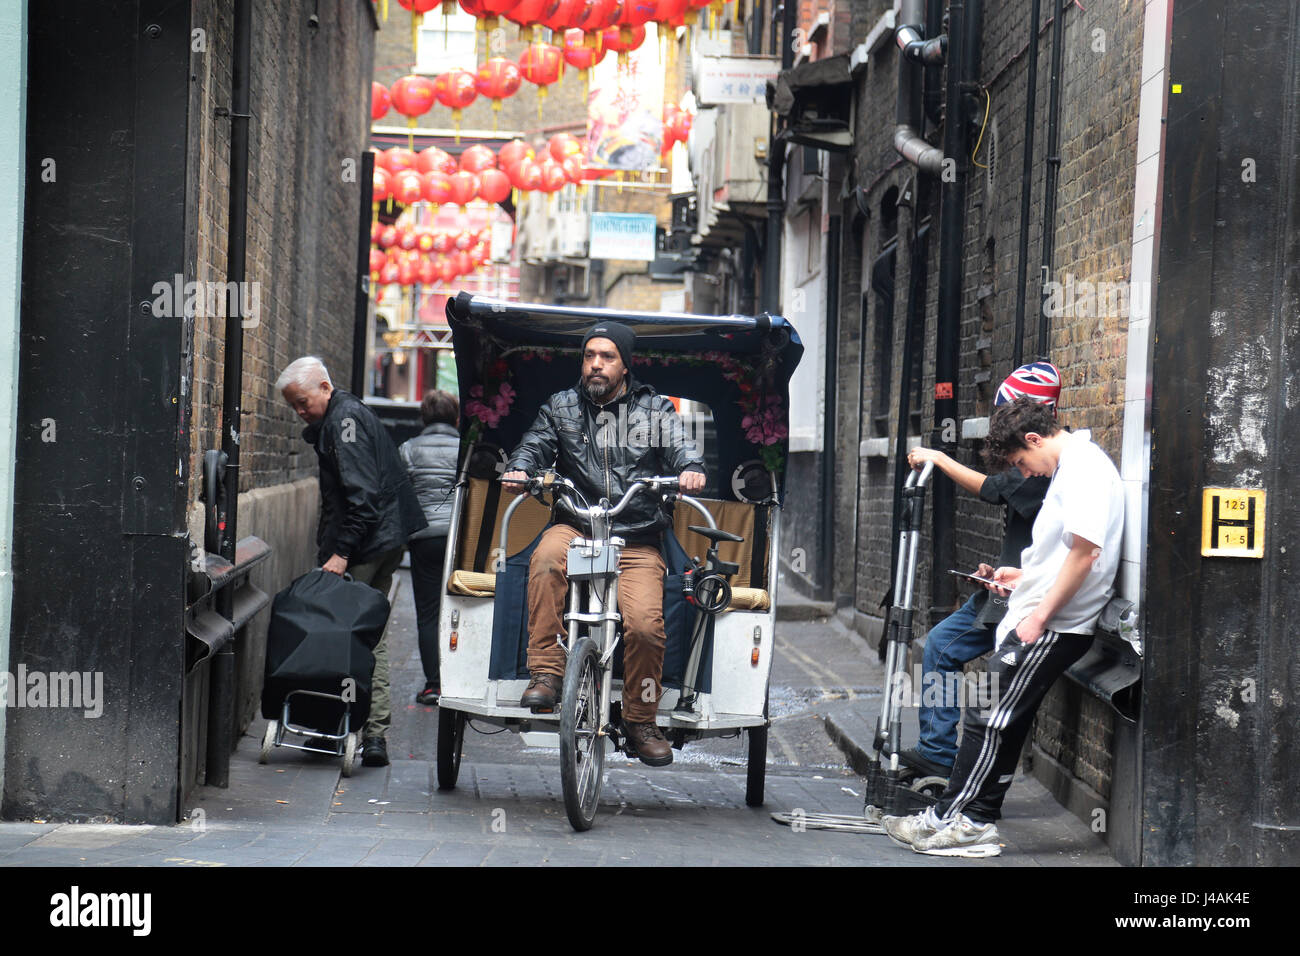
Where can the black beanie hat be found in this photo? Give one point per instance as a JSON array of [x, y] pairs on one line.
[[624, 338]]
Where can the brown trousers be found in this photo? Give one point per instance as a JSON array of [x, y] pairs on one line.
[[640, 599]]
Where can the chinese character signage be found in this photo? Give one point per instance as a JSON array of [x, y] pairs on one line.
[[735, 79]]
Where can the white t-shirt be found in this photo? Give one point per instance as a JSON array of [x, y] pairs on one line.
[[1085, 498]]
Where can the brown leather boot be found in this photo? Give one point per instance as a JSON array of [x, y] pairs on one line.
[[543, 693], [647, 742]]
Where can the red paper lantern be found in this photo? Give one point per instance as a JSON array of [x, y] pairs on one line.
[[388, 238], [621, 42], [679, 126], [553, 178], [390, 273], [406, 273], [636, 13], [562, 15], [512, 152], [446, 270], [426, 272], [464, 264], [596, 16], [480, 253], [406, 238], [434, 159], [496, 79], [398, 159], [376, 230], [464, 187], [526, 175], [563, 145], [424, 239], [572, 166], [542, 65], [435, 187], [580, 54], [407, 187], [413, 96], [671, 13], [473, 7], [456, 90], [382, 187], [527, 14], [443, 242], [493, 185], [478, 158], [380, 101], [377, 262]]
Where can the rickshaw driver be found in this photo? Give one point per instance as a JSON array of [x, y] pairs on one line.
[[573, 431]]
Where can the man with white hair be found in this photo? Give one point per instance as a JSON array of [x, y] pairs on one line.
[[367, 507]]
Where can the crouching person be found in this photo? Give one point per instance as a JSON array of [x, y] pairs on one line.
[[1054, 601], [367, 507]]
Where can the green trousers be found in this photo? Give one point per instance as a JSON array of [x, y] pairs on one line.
[[378, 573]]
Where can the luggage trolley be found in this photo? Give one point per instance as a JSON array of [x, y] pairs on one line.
[[320, 664]]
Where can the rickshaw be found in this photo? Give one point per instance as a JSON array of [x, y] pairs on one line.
[[731, 377]]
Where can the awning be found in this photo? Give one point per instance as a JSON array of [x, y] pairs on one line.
[[816, 101]]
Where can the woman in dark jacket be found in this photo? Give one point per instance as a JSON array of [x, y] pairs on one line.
[[430, 459]]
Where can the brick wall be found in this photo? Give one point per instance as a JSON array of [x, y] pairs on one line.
[[1098, 121], [310, 109]]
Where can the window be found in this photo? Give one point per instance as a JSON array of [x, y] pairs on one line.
[[446, 44]]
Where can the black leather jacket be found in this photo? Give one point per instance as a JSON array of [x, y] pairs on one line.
[[604, 448], [367, 504]]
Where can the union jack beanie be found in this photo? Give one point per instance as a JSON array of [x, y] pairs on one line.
[[1040, 381]]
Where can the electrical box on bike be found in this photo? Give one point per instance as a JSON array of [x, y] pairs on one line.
[[590, 560]]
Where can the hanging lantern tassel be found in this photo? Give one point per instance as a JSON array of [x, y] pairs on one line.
[[416, 18], [455, 118], [410, 133], [496, 114], [541, 98]]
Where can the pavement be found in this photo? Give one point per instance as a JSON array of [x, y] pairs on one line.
[[507, 809]]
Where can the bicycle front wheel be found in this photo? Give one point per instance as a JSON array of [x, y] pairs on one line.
[[582, 748]]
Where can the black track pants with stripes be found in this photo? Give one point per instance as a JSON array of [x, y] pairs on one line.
[[992, 737]]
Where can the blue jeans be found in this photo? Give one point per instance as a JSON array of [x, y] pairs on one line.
[[952, 642]]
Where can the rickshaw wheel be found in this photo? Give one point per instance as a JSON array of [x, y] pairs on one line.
[[268, 741], [451, 740], [582, 749]]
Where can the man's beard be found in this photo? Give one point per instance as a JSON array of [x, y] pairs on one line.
[[599, 389]]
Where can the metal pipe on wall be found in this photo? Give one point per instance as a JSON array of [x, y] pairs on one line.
[[1026, 184], [908, 141], [1053, 172], [222, 720]]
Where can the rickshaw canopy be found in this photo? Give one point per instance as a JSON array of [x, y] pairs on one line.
[[511, 357]]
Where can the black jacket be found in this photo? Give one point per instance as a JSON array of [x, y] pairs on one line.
[[604, 448], [367, 504]]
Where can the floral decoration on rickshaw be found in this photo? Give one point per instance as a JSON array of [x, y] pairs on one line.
[[761, 404]]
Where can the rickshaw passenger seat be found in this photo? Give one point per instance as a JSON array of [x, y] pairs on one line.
[[481, 530]]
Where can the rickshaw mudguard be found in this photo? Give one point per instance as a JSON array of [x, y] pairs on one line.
[[509, 659]]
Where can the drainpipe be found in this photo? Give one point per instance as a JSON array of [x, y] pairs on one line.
[[933, 96], [771, 293], [1026, 185], [914, 52], [1049, 185], [221, 726]]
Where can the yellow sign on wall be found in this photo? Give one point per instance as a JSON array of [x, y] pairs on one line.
[[1232, 522]]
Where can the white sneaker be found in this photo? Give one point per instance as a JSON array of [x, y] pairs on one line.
[[905, 831], [961, 837]]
